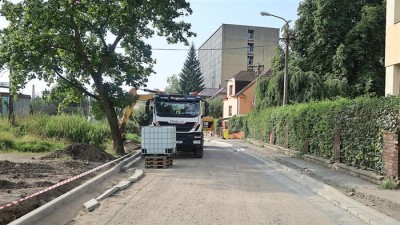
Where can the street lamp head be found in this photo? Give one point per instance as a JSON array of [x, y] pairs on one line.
[[265, 14]]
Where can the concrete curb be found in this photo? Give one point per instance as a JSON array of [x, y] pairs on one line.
[[135, 177], [363, 212], [93, 203], [46, 209], [107, 193], [131, 162]]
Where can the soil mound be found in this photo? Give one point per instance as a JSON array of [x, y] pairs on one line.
[[82, 151]]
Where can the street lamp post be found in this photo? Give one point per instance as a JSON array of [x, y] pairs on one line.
[[285, 78]]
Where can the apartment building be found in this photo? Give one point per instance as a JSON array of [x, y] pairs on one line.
[[392, 53], [233, 48]]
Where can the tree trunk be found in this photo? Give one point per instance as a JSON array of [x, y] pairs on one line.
[[118, 143]]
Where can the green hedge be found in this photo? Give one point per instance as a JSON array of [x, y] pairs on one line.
[[237, 123], [360, 122]]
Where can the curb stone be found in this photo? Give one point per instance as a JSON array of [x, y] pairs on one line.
[[107, 193], [139, 173], [136, 176], [123, 185], [91, 204], [131, 163]]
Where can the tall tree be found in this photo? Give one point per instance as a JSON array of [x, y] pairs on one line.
[[343, 42], [75, 42], [216, 108], [173, 84], [191, 79]]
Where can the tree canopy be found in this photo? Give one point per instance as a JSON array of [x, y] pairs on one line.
[[94, 46], [216, 108], [191, 79], [173, 84], [337, 49], [343, 42]]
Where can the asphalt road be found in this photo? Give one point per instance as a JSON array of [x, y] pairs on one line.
[[225, 187]]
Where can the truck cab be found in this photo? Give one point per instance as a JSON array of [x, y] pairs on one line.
[[185, 112]]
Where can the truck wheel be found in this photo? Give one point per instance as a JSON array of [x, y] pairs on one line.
[[198, 153]]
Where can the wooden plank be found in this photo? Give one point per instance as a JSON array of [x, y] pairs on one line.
[[156, 166], [169, 162], [158, 158]]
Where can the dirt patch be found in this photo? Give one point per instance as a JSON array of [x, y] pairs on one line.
[[382, 205], [25, 170], [81, 151], [9, 214], [21, 176]]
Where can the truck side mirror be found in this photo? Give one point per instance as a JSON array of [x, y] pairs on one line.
[[147, 108], [206, 109]]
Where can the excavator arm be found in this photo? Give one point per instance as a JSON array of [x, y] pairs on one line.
[[130, 108]]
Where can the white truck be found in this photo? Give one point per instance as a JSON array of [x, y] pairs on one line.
[[185, 112]]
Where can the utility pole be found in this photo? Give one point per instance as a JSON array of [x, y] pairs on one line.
[[11, 118], [285, 79], [258, 72], [285, 83]]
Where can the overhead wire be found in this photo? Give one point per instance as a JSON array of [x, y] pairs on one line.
[[205, 49]]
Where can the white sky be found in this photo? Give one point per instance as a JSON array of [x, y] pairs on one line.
[[207, 17]]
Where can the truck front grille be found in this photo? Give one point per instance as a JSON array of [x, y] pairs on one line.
[[179, 127]]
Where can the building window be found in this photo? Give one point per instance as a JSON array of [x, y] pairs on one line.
[[250, 48], [230, 90], [251, 34], [230, 111], [250, 60]]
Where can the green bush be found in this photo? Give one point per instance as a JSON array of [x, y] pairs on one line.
[[216, 108], [133, 137], [140, 117], [132, 127], [360, 122], [237, 123]]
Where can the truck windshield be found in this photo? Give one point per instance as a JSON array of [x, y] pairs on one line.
[[177, 109]]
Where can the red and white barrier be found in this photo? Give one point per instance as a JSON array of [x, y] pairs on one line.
[[60, 183]]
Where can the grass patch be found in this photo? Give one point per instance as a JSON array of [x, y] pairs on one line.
[[389, 184], [133, 137], [108, 147], [13, 142], [6, 141], [19, 138], [73, 128]]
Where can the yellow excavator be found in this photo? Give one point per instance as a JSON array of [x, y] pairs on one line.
[[129, 109]]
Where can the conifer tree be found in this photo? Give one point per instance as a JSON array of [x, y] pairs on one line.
[[191, 79]]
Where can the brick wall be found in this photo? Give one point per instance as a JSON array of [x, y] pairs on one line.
[[390, 155], [336, 146]]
